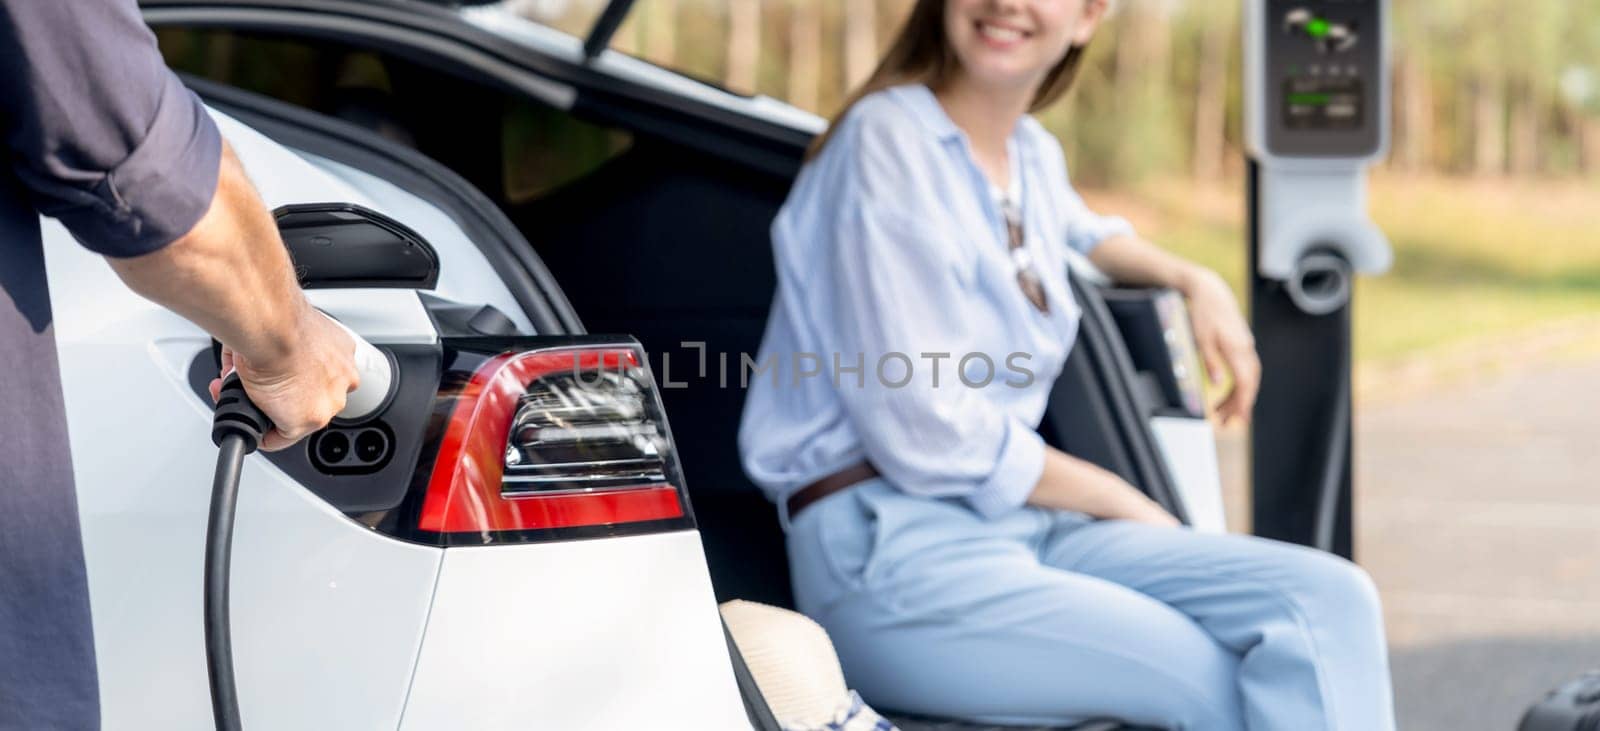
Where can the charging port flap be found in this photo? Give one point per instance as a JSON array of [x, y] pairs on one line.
[[345, 245]]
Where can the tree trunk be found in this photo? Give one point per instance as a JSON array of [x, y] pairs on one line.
[[1144, 46], [661, 32], [1588, 144], [1125, 61], [1488, 124], [1143, 55], [744, 45], [860, 40], [1158, 48], [1525, 131], [1414, 148], [1211, 101], [805, 53]]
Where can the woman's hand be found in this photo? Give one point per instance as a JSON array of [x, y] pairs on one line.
[[1141, 509], [1224, 339], [1069, 483]]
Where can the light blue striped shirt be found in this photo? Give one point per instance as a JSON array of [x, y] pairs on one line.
[[891, 251]]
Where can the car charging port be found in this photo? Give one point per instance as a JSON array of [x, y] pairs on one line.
[[353, 450]]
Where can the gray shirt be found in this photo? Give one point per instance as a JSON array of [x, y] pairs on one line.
[[100, 135]]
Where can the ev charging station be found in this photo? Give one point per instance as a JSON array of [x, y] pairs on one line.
[[1316, 115]]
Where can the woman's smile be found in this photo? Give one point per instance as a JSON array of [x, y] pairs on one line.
[[1000, 35], [1010, 44]]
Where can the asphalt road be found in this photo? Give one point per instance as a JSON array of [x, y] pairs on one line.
[[1478, 514]]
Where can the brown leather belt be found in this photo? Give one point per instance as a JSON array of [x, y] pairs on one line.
[[845, 478]]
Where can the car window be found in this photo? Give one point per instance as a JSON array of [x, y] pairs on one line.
[[715, 42], [514, 148], [574, 17], [806, 52], [547, 149]]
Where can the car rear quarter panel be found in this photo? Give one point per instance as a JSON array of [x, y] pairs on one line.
[[327, 615], [594, 635]]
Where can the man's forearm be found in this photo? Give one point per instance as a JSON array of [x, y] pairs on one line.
[[230, 274]]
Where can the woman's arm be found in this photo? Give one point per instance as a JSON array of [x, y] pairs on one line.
[[1069, 483], [1219, 328]]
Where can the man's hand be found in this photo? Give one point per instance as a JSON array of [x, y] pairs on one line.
[[230, 275], [302, 391], [1225, 342]]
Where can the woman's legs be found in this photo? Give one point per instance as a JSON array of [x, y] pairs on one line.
[[936, 611], [1306, 625]]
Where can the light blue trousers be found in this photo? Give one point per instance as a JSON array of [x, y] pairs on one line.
[[1044, 617]]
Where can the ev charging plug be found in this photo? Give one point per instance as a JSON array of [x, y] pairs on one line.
[[376, 372], [237, 428]]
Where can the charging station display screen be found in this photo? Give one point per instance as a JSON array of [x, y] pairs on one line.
[[1324, 73]]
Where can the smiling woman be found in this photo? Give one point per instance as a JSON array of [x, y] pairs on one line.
[[936, 44], [964, 568]]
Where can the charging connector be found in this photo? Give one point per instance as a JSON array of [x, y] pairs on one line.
[[237, 428]]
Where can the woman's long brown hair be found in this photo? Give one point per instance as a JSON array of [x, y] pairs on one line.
[[922, 54]]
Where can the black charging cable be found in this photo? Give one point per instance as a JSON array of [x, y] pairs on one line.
[[236, 428]]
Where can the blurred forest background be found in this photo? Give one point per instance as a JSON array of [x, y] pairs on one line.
[[1491, 191]]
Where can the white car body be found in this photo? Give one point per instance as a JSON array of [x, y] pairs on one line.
[[337, 626]]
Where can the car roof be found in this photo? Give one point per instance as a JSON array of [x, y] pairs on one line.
[[501, 18], [496, 19]]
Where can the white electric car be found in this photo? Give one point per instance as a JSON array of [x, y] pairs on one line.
[[517, 540]]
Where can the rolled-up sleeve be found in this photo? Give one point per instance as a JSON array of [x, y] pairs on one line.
[[1086, 229], [103, 136], [896, 281]]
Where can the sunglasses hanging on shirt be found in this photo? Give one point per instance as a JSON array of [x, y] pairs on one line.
[[1021, 258]]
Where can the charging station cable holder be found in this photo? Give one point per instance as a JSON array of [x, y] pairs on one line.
[[1315, 235], [1317, 103]]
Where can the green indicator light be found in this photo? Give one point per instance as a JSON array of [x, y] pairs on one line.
[[1311, 100], [1318, 27]]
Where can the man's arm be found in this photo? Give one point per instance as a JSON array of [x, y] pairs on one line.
[[105, 139], [231, 275]]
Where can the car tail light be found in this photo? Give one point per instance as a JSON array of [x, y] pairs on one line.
[[568, 440]]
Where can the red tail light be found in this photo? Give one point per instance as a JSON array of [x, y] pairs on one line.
[[560, 438]]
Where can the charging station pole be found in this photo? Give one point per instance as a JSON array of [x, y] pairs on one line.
[[1316, 115]]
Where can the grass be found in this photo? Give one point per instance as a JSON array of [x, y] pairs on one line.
[[1474, 260]]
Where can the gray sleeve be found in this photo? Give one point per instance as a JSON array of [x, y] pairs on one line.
[[103, 136]]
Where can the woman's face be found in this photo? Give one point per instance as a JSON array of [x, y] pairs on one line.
[[1014, 43]]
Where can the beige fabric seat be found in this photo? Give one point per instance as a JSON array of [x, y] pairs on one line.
[[792, 660], [795, 666]]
